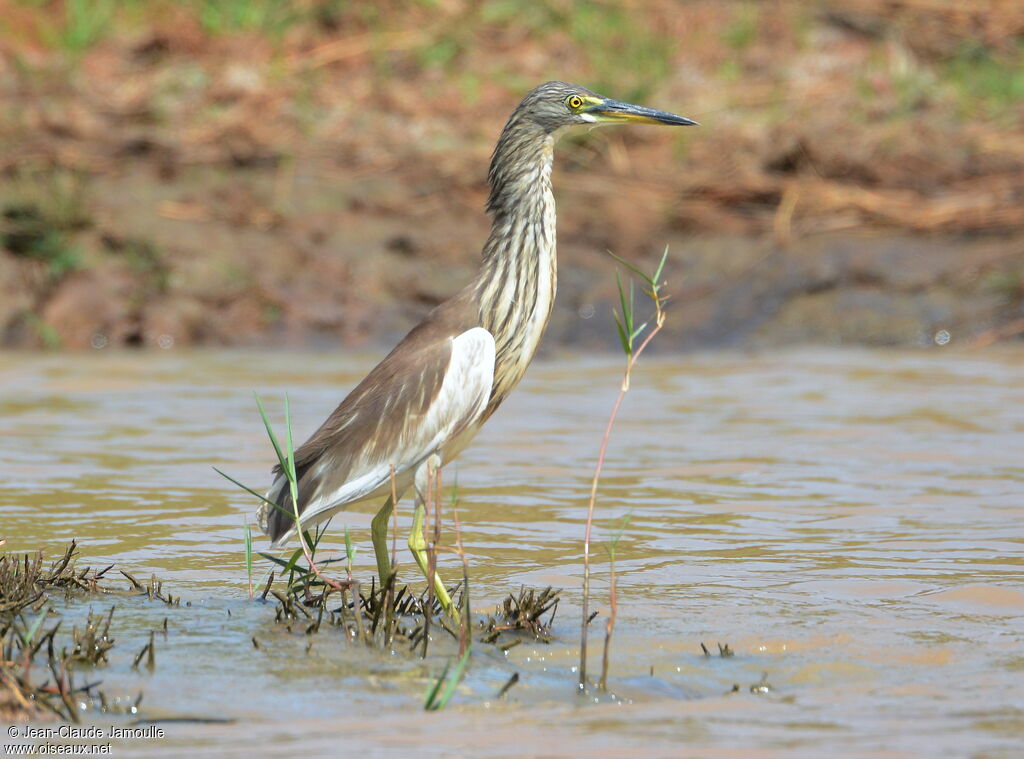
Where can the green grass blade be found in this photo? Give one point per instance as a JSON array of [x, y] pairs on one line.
[[248, 550], [455, 489], [30, 633], [350, 550], [290, 566], [630, 266], [617, 535], [276, 559], [626, 306], [655, 281], [623, 337], [632, 309], [249, 490], [320, 529], [270, 433], [454, 680], [291, 447], [429, 703], [293, 480]]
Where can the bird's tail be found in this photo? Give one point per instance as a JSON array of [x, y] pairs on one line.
[[277, 521]]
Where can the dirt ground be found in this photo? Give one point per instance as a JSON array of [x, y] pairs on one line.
[[314, 172]]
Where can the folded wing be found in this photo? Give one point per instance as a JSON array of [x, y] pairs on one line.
[[422, 396]]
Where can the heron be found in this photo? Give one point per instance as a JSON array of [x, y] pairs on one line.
[[425, 401]]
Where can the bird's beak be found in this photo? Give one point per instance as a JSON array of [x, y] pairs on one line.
[[615, 111]]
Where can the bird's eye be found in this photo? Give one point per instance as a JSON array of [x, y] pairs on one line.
[[575, 102]]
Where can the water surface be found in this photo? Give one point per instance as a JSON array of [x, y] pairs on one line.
[[851, 523]]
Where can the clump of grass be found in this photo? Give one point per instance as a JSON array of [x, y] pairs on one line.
[[93, 642], [272, 17], [86, 22], [308, 591], [524, 612], [742, 32], [25, 582], [37, 673], [629, 332], [153, 588], [144, 259], [983, 78], [48, 336], [36, 680]]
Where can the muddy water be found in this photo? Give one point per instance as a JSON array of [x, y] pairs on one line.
[[850, 523]]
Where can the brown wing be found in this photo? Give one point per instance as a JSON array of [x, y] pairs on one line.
[[366, 427]]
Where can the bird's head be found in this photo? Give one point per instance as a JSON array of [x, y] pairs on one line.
[[555, 105]]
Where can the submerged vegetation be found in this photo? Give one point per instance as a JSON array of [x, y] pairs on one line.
[[41, 668]]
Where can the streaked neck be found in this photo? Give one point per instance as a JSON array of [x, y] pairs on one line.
[[515, 288]]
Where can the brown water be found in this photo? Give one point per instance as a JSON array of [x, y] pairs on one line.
[[850, 522]]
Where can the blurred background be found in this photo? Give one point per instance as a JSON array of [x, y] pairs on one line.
[[261, 172]]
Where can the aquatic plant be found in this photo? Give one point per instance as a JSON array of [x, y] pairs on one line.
[[625, 323], [437, 698], [524, 612], [613, 599], [248, 556], [37, 670], [307, 542]]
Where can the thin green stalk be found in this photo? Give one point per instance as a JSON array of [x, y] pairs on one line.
[[613, 544], [350, 553], [248, 556], [628, 334]]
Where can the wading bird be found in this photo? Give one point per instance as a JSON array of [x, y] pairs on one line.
[[420, 406]]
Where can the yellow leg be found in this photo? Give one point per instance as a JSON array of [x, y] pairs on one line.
[[379, 536], [418, 544]]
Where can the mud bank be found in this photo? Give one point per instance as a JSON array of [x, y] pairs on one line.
[[204, 260], [179, 173]]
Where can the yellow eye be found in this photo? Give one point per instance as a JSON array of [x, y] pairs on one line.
[[575, 102]]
